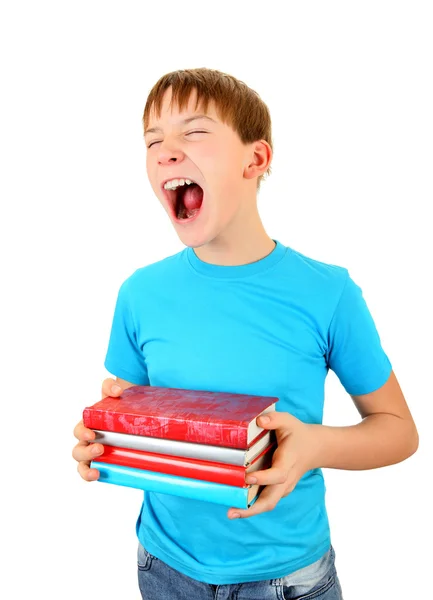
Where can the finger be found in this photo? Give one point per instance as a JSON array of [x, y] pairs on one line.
[[267, 500], [110, 388], [82, 433], [271, 476], [86, 472], [87, 452], [276, 420], [278, 472]]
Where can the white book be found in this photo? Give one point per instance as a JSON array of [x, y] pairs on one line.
[[222, 454]]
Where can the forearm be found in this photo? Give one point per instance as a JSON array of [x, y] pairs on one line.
[[379, 440]]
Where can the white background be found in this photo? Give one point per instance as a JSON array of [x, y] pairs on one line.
[[349, 87]]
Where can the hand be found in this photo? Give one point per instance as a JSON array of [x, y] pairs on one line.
[[296, 454], [85, 451]]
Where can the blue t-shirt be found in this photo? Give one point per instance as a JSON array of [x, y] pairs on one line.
[[274, 328]]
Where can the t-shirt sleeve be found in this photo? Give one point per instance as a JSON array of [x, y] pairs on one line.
[[124, 358], [355, 352]]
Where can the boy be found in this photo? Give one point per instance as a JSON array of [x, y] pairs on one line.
[[238, 311]]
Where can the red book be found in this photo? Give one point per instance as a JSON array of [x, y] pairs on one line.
[[217, 418], [187, 467]]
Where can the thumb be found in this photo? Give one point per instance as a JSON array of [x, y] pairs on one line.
[[276, 420], [110, 387]]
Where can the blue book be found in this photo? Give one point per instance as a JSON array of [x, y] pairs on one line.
[[196, 489]]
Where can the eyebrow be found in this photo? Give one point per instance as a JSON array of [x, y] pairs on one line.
[[184, 122]]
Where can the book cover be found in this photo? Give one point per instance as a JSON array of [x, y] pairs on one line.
[[228, 495], [186, 467], [216, 418], [208, 452]]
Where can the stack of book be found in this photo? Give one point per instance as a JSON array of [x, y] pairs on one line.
[[195, 444]]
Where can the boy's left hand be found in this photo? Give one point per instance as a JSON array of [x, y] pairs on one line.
[[297, 453]]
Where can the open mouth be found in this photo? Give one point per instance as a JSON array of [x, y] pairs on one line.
[[185, 201]]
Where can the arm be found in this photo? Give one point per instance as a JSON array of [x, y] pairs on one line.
[[386, 435]]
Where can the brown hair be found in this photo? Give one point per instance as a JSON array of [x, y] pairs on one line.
[[236, 104]]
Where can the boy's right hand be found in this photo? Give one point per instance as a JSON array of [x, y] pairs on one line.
[[85, 450]]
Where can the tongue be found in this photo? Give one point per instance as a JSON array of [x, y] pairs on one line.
[[193, 197]]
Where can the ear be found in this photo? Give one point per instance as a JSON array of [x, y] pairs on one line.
[[260, 159]]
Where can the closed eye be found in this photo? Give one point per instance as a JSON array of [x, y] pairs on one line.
[[185, 134]]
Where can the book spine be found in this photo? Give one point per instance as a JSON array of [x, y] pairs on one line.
[[230, 456], [172, 484], [175, 465], [231, 434]]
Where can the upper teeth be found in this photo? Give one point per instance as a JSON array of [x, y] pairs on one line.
[[174, 183]]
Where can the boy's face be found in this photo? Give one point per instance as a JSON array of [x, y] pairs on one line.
[[215, 159]]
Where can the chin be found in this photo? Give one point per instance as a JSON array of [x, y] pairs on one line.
[[195, 239]]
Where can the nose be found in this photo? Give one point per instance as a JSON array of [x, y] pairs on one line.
[[167, 156]]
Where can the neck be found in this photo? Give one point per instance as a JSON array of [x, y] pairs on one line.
[[241, 243]]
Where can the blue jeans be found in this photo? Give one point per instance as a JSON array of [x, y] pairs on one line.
[[158, 581]]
